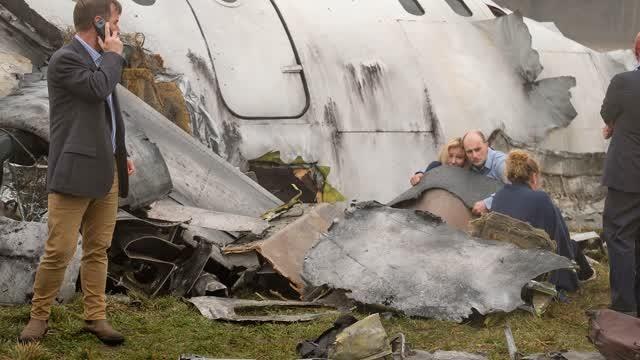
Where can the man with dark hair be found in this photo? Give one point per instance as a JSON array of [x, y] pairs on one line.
[[621, 217], [88, 166]]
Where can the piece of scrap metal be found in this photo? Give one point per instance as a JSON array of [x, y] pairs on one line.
[[216, 308], [578, 237], [470, 187], [167, 211], [412, 262], [566, 355], [444, 355]]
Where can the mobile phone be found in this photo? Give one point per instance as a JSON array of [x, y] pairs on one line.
[[99, 25]]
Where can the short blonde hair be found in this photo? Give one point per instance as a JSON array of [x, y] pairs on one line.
[[520, 166], [444, 152]]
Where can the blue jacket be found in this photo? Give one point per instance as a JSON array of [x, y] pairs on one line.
[[520, 202]]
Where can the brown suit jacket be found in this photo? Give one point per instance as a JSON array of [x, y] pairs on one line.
[[621, 110], [81, 159]]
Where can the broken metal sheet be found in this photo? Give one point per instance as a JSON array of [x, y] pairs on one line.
[[578, 237], [443, 204], [225, 309], [566, 355], [468, 186], [209, 285], [152, 180], [319, 347], [12, 66], [164, 210], [551, 97], [21, 246], [200, 177], [285, 250], [408, 261], [198, 357], [366, 339], [444, 355], [20, 37]]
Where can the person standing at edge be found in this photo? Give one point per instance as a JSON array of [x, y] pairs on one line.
[[88, 166], [621, 217], [484, 161]]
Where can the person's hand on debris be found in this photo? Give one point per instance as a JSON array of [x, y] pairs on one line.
[[131, 168], [415, 179], [607, 132], [479, 209], [111, 41]]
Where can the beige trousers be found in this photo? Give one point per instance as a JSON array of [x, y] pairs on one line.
[[96, 219]]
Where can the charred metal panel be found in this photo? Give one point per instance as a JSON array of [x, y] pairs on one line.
[[470, 187], [412, 262]]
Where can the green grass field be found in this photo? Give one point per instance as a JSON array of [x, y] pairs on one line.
[[164, 328]]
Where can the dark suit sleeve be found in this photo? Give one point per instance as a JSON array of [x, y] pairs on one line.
[[612, 104], [71, 72]]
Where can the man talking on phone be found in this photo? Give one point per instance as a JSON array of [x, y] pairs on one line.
[[88, 166]]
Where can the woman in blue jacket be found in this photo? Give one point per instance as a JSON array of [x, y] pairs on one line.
[[522, 200]]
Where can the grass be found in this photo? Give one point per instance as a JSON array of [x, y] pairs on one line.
[[164, 328]]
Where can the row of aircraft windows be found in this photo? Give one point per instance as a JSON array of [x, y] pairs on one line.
[[413, 7]]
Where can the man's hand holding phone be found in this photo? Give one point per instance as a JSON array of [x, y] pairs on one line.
[[111, 41]]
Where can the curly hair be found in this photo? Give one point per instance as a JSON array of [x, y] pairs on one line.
[[520, 166]]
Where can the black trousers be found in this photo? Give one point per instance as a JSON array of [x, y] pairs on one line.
[[621, 223]]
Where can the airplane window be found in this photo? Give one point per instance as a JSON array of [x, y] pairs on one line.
[[459, 7], [412, 7]]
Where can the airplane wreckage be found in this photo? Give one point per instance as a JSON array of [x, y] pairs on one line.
[[368, 89]]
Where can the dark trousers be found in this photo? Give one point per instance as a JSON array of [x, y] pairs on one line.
[[621, 222]]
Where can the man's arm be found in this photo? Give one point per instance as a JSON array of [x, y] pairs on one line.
[[612, 104], [69, 70]]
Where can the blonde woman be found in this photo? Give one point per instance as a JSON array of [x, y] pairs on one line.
[[451, 154], [523, 200]]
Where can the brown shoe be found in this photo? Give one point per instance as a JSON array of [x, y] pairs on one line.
[[34, 331], [103, 330]]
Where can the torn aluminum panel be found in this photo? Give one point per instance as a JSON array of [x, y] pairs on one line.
[[200, 177], [21, 246], [22, 38], [444, 204], [468, 186], [285, 250], [225, 309], [565, 355], [165, 210], [366, 339], [152, 180], [12, 66], [444, 355], [550, 97], [409, 261]]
